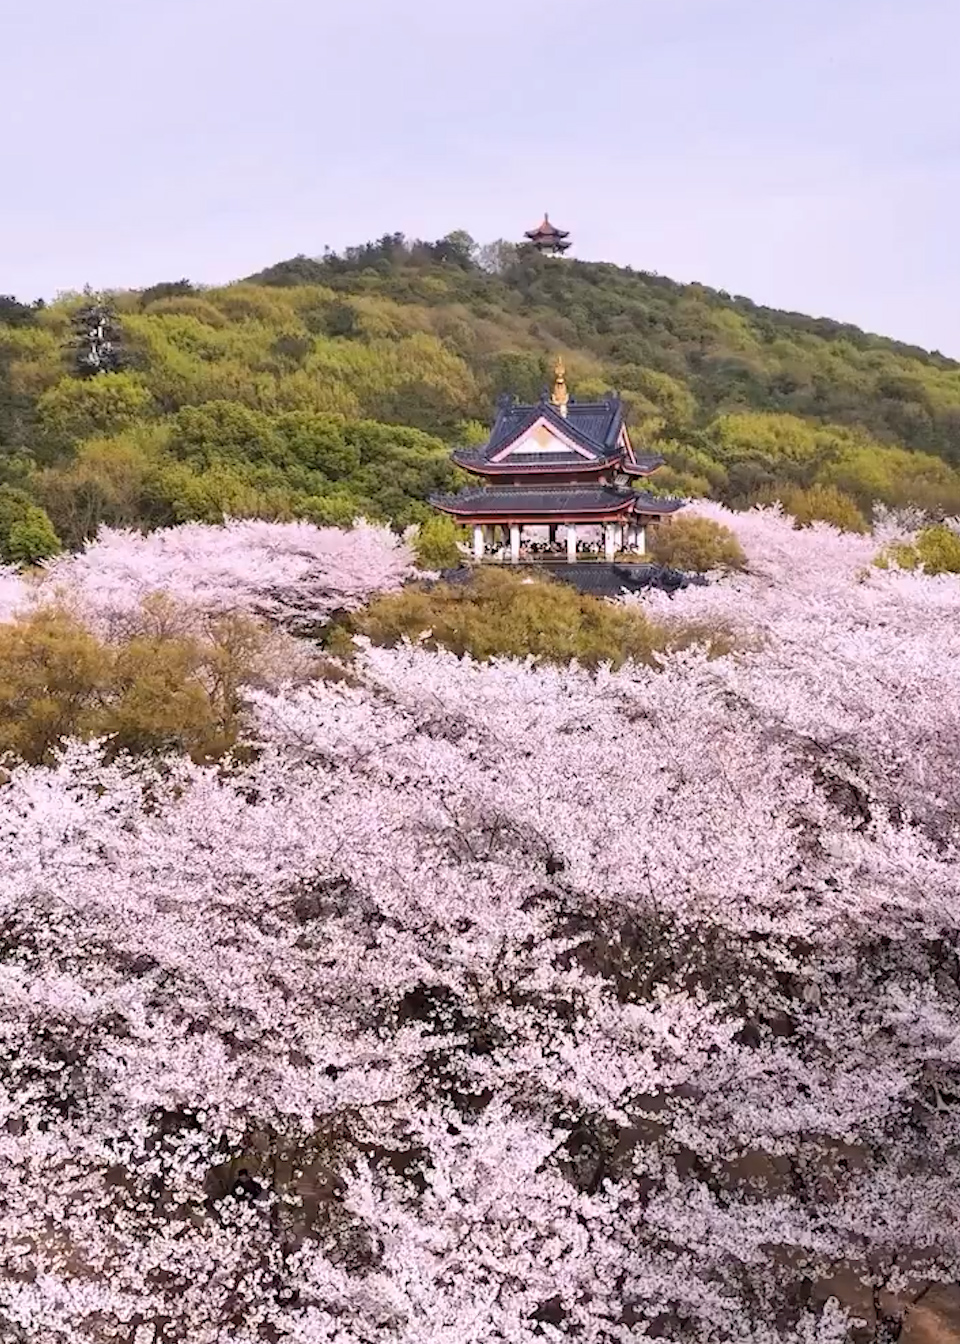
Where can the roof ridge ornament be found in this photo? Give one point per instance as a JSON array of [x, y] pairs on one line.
[[560, 396]]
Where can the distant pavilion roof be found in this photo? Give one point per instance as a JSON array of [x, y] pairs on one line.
[[546, 230]]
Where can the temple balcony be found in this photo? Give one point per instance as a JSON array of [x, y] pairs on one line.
[[557, 544]]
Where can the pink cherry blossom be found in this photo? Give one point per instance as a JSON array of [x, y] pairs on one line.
[[534, 1003], [289, 572], [14, 593]]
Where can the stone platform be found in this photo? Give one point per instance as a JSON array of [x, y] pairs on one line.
[[598, 578]]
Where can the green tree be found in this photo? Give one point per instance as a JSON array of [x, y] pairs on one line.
[[436, 544], [87, 408], [936, 550], [499, 614], [31, 539], [166, 289], [203, 435], [26, 532], [320, 442], [695, 544], [108, 483], [818, 503]]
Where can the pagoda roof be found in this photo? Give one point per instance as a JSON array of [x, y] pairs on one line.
[[546, 230], [642, 464], [594, 427], [524, 502], [660, 504]]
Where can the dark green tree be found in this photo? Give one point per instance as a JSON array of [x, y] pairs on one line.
[[166, 289], [96, 343], [26, 532]]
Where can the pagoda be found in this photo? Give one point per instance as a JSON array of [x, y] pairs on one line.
[[546, 238], [560, 464]]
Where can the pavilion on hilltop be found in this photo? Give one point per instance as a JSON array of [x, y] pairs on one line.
[[546, 238], [560, 465]]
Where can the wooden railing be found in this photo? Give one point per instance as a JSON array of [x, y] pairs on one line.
[[560, 558]]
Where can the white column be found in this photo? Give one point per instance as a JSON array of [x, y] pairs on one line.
[[571, 544], [641, 541], [478, 542], [515, 543], [609, 540]]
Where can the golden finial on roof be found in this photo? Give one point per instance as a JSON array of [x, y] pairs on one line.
[[560, 396]]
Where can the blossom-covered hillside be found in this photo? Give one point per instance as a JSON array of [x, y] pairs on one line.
[[492, 1002]]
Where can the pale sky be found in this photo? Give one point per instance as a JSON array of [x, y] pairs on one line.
[[805, 153]]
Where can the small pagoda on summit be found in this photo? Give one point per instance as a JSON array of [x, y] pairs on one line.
[[558, 465], [548, 239]]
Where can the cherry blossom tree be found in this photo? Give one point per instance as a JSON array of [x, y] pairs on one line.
[[14, 594], [293, 573], [499, 1003]]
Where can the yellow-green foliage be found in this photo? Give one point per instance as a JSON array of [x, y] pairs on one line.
[[776, 438], [738, 399], [893, 476], [106, 484], [697, 545], [82, 408], [764, 454], [499, 614], [818, 503], [678, 484], [224, 458], [155, 692], [187, 305], [936, 550], [657, 393], [437, 543]]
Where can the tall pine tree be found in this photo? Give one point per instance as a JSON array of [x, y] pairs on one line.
[[96, 344]]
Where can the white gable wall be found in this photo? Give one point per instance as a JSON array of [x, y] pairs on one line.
[[543, 438]]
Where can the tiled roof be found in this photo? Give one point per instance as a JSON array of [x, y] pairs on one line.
[[594, 426], [546, 230], [476, 459], [518, 500], [642, 464], [598, 422], [656, 503]]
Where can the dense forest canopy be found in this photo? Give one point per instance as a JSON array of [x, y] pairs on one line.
[[331, 388]]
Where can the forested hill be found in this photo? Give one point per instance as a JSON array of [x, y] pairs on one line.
[[331, 387]]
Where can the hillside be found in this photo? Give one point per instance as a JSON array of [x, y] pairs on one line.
[[328, 388]]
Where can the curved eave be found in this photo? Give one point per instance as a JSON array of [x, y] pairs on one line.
[[644, 469], [529, 517], [661, 508], [476, 513], [581, 468]]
